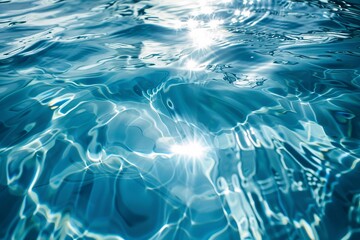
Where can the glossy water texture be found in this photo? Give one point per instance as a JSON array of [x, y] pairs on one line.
[[185, 119]]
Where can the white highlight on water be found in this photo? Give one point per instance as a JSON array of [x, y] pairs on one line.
[[192, 149]]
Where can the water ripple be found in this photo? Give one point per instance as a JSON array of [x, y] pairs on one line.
[[179, 119]]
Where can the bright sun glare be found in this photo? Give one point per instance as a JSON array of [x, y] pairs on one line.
[[191, 149], [192, 65]]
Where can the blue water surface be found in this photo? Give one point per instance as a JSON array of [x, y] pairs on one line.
[[164, 119]]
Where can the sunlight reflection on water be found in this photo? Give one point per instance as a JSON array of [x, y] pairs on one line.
[[179, 119]]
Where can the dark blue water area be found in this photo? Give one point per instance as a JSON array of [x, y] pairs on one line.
[[162, 119]]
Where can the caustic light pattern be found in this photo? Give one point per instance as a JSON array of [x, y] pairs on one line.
[[162, 119]]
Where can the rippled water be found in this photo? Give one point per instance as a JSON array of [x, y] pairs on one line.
[[185, 119]]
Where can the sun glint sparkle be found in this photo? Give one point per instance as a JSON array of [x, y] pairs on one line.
[[190, 149]]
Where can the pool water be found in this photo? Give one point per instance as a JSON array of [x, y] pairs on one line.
[[162, 119]]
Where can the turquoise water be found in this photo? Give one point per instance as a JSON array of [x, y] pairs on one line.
[[166, 119]]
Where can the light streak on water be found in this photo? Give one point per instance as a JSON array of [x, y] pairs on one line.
[[185, 119]]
